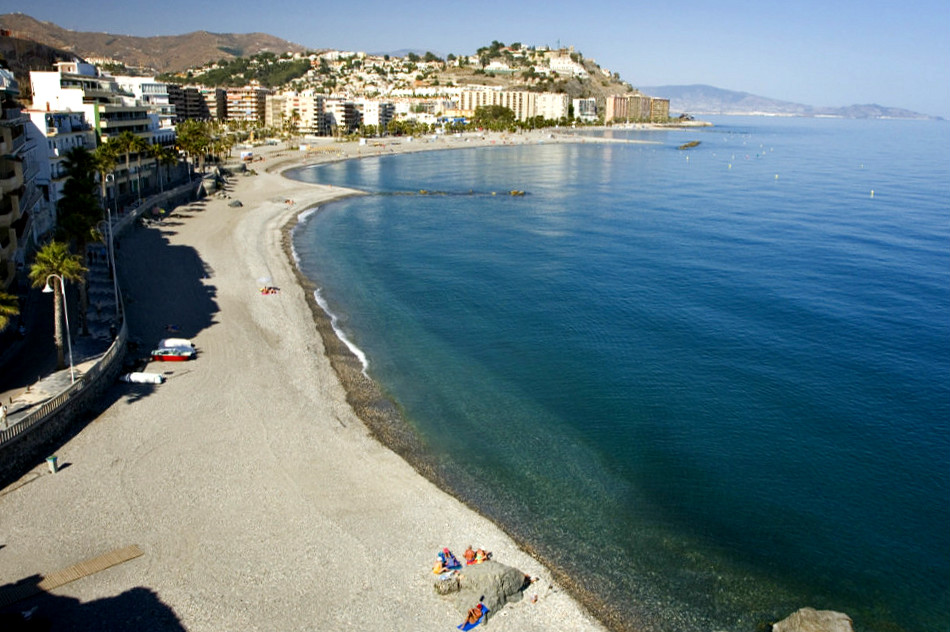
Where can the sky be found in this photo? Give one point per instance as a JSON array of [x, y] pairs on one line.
[[822, 53]]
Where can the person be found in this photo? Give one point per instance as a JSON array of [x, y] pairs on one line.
[[469, 555], [481, 556], [3, 415], [474, 614]]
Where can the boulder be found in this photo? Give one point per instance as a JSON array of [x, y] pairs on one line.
[[491, 583], [811, 620]]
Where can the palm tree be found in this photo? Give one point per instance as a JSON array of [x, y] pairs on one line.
[[194, 138], [105, 158], [9, 307], [139, 146], [124, 144], [55, 259], [160, 155], [79, 212]]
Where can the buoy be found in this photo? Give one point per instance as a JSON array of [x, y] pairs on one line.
[[730, 165], [776, 176]]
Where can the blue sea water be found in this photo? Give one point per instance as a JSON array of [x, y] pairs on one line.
[[711, 386]]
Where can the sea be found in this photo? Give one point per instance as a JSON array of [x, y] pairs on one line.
[[706, 386]]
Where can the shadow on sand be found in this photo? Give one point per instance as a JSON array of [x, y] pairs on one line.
[[135, 609]]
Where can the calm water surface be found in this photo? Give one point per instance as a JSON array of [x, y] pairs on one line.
[[712, 386]]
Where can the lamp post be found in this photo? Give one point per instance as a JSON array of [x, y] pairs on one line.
[[110, 177], [69, 342]]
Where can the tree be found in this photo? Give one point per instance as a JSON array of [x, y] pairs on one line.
[[55, 258], [125, 144], [194, 137], [105, 158], [139, 146], [9, 307], [292, 126], [494, 117], [79, 212]]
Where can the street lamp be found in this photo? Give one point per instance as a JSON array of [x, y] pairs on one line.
[[69, 342], [110, 177]]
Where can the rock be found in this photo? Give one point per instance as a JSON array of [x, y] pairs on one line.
[[811, 620], [491, 583]]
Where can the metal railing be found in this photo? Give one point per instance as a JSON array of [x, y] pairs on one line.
[[53, 405]]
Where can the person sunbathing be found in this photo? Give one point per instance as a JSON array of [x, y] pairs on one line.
[[469, 555], [481, 556], [474, 614]]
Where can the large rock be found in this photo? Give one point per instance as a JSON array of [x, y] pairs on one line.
[[491, 583], [811, 620]]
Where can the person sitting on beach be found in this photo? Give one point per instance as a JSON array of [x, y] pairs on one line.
[[481, 556], [469, 555]]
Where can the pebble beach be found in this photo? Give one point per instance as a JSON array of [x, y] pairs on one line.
[[256, 480]]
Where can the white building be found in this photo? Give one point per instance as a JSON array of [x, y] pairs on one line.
[[376, 113], [153, 94], [553, 106], [79, 87], [59, 133], [585, 110]]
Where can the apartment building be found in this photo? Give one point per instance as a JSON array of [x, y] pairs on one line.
[[636, 107], [189, 104], [585, 109], [246, 104], [523, 104], [553, 106], [309, 106], [343, 117], [79, 87], [59, 132], [376, 113], [22, 199], [153, 94]]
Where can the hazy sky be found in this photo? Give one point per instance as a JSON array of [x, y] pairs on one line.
[[823, 53]]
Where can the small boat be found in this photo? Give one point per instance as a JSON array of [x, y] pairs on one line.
[[173, 354]]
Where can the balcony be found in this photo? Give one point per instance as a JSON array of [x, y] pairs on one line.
[[9, 213], [11, 178]]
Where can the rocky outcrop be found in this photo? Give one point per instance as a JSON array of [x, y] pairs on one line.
[[811, 620]]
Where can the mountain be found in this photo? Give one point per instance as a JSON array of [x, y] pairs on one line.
[[702, 99], [167, 53]]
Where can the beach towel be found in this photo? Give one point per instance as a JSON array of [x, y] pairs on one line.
[[469, 626]]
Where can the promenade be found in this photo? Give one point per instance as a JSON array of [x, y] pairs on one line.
[[256, 496]]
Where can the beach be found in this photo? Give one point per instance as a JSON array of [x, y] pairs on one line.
[[258, 496]]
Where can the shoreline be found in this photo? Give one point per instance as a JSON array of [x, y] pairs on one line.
[[258, 496]]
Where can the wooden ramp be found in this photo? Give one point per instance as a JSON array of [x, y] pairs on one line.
[[13, 593]]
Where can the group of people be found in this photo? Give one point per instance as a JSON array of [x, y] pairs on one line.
[[270, 289], [475, 557]]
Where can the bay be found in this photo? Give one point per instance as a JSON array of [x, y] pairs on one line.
[[710, 386]]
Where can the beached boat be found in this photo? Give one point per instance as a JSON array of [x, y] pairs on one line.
[[172, 354]]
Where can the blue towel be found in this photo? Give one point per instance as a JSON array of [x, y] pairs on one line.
[[469, 626]]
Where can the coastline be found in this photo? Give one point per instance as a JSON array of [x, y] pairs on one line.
[[387, 425], [248, 480]]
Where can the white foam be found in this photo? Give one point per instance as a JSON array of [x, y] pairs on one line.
[[301, 218], [339, 332]]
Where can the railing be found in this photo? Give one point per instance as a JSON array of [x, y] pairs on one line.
[[96, 371]]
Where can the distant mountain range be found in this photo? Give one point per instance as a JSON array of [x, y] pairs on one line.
[[701, 99], [167, 53]]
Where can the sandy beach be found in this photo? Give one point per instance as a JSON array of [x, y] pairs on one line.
[[259, 498]]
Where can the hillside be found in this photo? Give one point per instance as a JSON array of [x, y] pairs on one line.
[[702, 99], [168, 53]]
